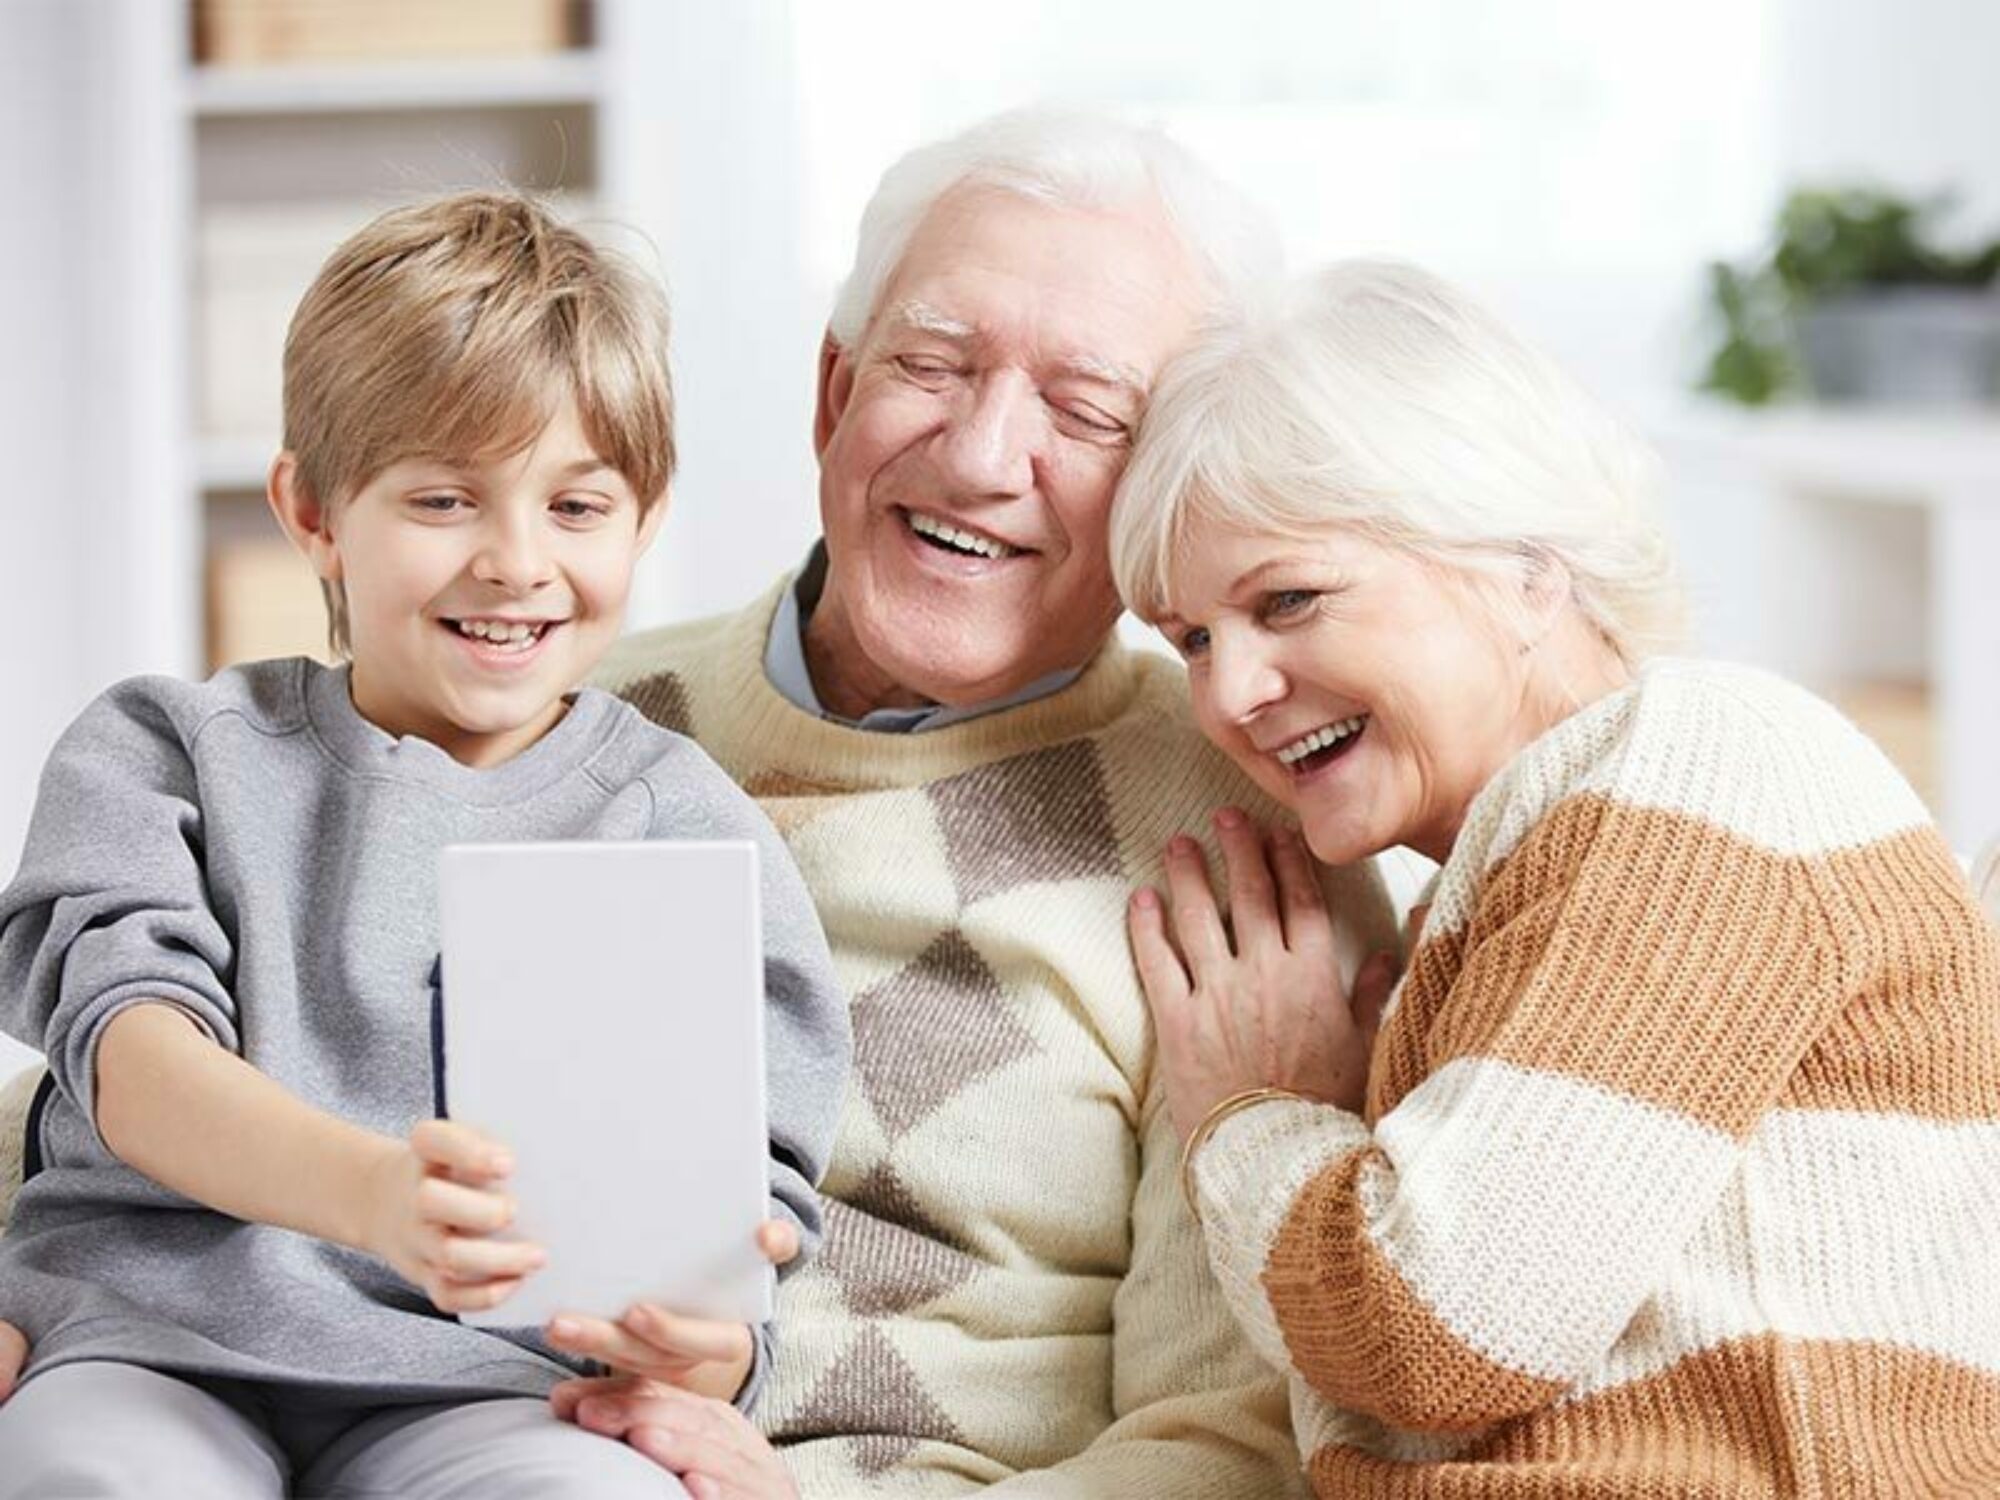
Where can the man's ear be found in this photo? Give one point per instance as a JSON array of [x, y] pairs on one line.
[[304, 519], [836, 384]]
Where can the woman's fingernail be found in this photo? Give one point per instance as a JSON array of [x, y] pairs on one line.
[[563, 1328], [1145, 897], [1228, 817]]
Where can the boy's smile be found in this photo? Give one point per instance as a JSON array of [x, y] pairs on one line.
[[479, 592]]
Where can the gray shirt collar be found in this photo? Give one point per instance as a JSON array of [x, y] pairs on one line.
[[785, 665]]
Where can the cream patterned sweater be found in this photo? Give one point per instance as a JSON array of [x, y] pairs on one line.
[[1680, 1169], [1011, 1292]]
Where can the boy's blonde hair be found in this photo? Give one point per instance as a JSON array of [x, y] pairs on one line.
[[451, 330]]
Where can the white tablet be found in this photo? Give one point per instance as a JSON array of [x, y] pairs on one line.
[[603, 1017]]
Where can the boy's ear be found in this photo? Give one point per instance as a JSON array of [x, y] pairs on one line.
[[304, 519], [836, 384], [649, 523]]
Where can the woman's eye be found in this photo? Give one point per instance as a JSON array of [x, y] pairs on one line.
[[1193, 642], [1288, 602]]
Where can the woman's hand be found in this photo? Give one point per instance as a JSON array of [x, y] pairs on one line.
[[695, 1354], [13, 1357], [432, 1208], [1260, 1003], [708, 1443]]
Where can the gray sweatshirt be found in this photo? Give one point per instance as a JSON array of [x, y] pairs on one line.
[[252, 850]]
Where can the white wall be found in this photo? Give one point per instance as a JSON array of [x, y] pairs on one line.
[[43, 405]]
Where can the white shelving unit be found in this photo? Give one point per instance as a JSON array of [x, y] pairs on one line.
[[326, 145], [1855, 526]]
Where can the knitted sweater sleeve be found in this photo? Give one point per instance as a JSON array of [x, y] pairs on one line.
[[1561, 1092]]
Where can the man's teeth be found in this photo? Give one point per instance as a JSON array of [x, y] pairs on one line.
[[517, 633], [963, 541], [1320, 739]]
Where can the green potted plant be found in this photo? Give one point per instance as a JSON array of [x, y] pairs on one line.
[[1856, 302]]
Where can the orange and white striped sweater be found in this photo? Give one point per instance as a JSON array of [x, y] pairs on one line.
[[1680, 1167]]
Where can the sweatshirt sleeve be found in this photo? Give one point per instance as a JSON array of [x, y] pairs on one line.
[[110, 906], [1631, 995]]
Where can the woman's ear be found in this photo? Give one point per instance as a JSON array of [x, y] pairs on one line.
[[305, 520], [1546, 588]]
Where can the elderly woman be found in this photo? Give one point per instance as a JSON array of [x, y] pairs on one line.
[[1673, 1168]]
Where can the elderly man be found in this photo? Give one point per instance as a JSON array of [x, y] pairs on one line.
[[972, 774]]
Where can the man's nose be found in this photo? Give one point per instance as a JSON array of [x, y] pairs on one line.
[[989, 448]]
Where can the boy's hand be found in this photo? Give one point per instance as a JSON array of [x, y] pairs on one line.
[[432, 1205], [694, 1354], [712, 1446], [13, 1356]]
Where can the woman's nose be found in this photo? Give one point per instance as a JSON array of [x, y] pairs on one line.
[[1243, 678]]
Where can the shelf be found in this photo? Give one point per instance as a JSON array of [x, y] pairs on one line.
[[573, 77], [1843, 449], [234, 463]]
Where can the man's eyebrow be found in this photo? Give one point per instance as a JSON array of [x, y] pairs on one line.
[[1106, 372], [927, 319]]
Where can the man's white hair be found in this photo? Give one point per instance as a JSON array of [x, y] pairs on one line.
[[1073, 160], [1376, 397]]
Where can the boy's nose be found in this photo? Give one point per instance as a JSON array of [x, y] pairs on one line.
[[514, 559]]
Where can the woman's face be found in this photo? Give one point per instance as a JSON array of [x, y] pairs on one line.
[[1369, 692]]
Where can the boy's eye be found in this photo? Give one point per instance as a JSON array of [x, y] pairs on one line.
[[441, 505], [572, 509]]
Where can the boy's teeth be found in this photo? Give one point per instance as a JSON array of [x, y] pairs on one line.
[[500, 633], [963, 541], [1320, 738]]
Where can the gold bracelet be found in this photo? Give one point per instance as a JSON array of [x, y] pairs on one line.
[[1210, 1122]]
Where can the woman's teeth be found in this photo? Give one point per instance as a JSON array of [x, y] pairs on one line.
[[515, 635], [958, 541], [1320, 739]]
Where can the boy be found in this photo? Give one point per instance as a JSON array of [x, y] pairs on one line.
[[238, 1260]]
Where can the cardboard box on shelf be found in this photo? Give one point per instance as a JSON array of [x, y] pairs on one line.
[[263, 601], [249, 32], [252, 266]]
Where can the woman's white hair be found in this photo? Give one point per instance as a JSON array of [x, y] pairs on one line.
[[1377, 397], [1073, 160]]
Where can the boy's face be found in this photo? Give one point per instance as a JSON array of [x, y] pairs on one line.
[[477, 595]]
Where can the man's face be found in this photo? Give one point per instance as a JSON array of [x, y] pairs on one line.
[[970, 445]]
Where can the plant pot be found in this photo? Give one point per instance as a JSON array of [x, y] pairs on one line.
[[1904, 346]]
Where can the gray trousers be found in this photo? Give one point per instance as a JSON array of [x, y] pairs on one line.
[[95, 1431]]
